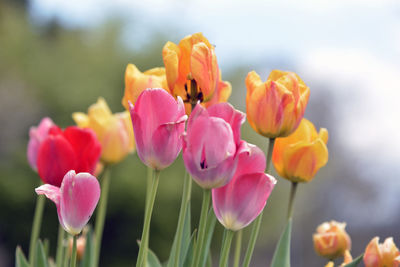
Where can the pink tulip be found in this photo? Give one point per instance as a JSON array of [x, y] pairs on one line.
[[158, 123], [36, 137], [212, 144], [76, 199], [239, 202]]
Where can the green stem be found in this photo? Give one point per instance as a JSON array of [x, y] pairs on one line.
[[226, 245], [101, 214], [142, 257], [37, 221], [257, 223], [291, 199], [202, 227], [238, 248], [73, 254], [65, 255], [60, 246], [149, 182], [187, 189]]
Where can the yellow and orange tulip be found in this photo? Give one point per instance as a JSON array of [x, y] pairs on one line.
[[382, 255], [114, 131], [299, 156], [193, 57], [136, 82], [275, 107], [332, 241]]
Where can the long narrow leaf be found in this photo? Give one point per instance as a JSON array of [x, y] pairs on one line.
[[281, 256], [189, 253], [20, 259], [40, 257], [211, 220], [88, 256], [355, 262], [152, 259]]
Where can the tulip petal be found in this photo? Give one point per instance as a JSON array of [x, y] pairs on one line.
[[55, 158], [79, 196], [170, 55], [251, 161], [239, 202], [50, 191], [372, 255]]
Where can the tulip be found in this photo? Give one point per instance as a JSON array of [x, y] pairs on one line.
[[114, 131], [331, 240], [158, 122], [382, 255], [193, 57], [239, 202], [136, 82], [299, 156], [212, 144], [76, 199], [64, 150], [36, 137], [275, 107]]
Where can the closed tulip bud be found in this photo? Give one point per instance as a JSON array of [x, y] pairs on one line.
[[36, 137], [382, 255], [212, 144], [158, 122], [114, 131], [76, 199], [331, 240], [194, 56], [299, 156], [239, 202], [136, 82], [64, 150], [275, 107]]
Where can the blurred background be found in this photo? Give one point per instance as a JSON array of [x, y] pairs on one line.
[[57, 57]]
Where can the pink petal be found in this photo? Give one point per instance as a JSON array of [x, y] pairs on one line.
[[250, 161], [239, 202], [50, 191], [232, 116], [79, 196]]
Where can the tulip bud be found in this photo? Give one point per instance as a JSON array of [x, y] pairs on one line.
[[64, 150], [299, 156], [114, 131], [275, 107], [382, 255], [36, 137], [136, 82], [158, 122], [331, 240], [194, 56], [76, 199], [212, 144], [239, 202]]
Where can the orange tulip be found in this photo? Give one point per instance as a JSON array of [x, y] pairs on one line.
[[193, 58], [299, 156], [382, 255], [136, 82], [275, 107], [331, 240]]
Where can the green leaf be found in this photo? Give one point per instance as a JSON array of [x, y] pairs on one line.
[[46, 246], [40, 255], [355, 262], [20, 259], [211, 220], [185, 241], [281, 256], [88, 255], [152, 259], [189, 253], [209, 260]]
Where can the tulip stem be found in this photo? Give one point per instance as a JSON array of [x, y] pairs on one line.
[[202, 227], [226, 245], [60, 246], [238, 248], [293, 190], [257, 222], [142, 257], [187, 189], [101, 213], [73, 254], [37, 221]]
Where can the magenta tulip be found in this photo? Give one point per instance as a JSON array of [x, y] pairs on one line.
[[212, 144], [158, 123], [36, 137], [76, 199], [239, 202]]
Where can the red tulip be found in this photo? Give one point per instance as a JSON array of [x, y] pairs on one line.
[[63, 150]]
